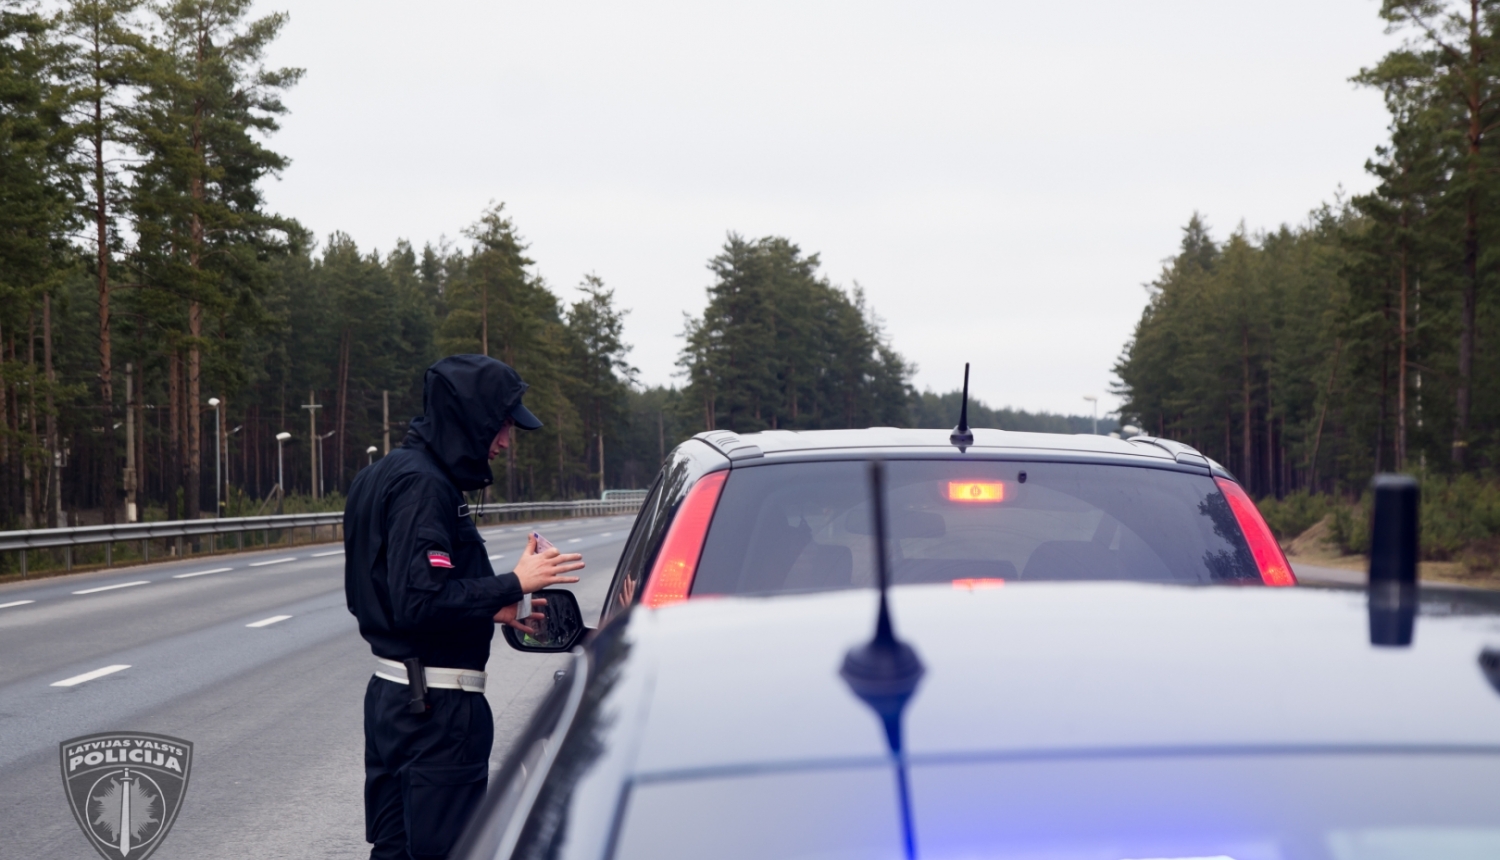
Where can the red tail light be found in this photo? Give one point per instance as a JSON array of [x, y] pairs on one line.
[[672, 576], [1274, 568]]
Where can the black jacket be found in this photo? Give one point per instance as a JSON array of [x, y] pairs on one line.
[[416, 574]]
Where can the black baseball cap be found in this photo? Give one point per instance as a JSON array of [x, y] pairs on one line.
[[522, 417]]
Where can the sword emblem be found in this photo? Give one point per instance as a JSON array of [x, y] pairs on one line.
[[125, 827]]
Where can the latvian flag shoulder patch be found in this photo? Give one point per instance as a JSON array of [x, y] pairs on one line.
[[436, 558]]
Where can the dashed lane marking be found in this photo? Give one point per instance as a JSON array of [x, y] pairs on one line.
[[112, 587], [15, 603], [272, 561], [267, 622], [607, 534], [89, 676], [327, 554], [202, 572], [575, 540], [495, 557]]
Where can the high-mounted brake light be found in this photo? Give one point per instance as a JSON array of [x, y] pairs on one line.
[[672, 576], [1274, 568], [976, 491], [976, 584]]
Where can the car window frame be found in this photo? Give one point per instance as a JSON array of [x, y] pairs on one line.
[[685, 466], [628, 566]]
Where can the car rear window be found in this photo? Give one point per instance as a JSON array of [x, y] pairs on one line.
[[806, 526]]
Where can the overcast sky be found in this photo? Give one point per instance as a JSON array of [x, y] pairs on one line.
[[1001, 178]]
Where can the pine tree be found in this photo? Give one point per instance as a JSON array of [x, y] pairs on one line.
[[1452, 65], [197, 206], [106, 41], [37, 210], [602, 374], [778, 347]]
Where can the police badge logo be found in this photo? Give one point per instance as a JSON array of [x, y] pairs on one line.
[[125, 789]]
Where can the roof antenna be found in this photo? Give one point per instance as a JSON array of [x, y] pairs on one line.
[[885, 671], [1394, 530], [962, 436]]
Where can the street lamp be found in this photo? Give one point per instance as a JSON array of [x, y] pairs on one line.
[[280, 472], [370, 458], [218, 452], [1094, 400], [321, 487]]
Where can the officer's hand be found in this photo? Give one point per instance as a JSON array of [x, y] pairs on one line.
[[507, 616], [540, 570]]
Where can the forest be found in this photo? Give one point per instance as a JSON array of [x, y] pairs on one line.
[[1363, 340], [160, 327]]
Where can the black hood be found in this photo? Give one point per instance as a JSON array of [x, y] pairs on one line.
[[465, 400]]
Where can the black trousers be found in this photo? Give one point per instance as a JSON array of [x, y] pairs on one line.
[[424, 773]]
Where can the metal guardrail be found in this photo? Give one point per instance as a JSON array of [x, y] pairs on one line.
[[624, 495], [583, 508], [67, 538], [128, 532]]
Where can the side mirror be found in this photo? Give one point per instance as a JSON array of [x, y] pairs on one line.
[[560, 630], [1394, 530]]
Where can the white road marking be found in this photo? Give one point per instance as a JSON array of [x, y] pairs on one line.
[[112, 587], [272, 561], [15, 603], [267, 622], [327, 554], [202, 572], [494, 557], [607, 534], [89, 676], [575, 540]]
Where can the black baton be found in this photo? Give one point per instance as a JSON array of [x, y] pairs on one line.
[[416, 679]]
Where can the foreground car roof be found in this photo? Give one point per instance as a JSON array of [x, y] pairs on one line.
[[1054, 670]]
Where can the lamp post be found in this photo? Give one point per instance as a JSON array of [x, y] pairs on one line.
[[1094, 400], [370, 455], [218, 452], [280, 472], [130, 412], [312, 406], [321, 439]]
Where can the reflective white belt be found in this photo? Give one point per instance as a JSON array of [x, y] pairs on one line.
[[468, 680]]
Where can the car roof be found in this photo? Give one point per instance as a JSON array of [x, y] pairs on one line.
[[774, 445], [1051, 669]]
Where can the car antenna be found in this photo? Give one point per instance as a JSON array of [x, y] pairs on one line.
[[885, 671], [1394, 531], [962, 436]]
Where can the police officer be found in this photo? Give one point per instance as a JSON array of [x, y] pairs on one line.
[[418, 579]]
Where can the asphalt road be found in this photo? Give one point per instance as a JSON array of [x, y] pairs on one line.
[[274, 710], [1312, 574]]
